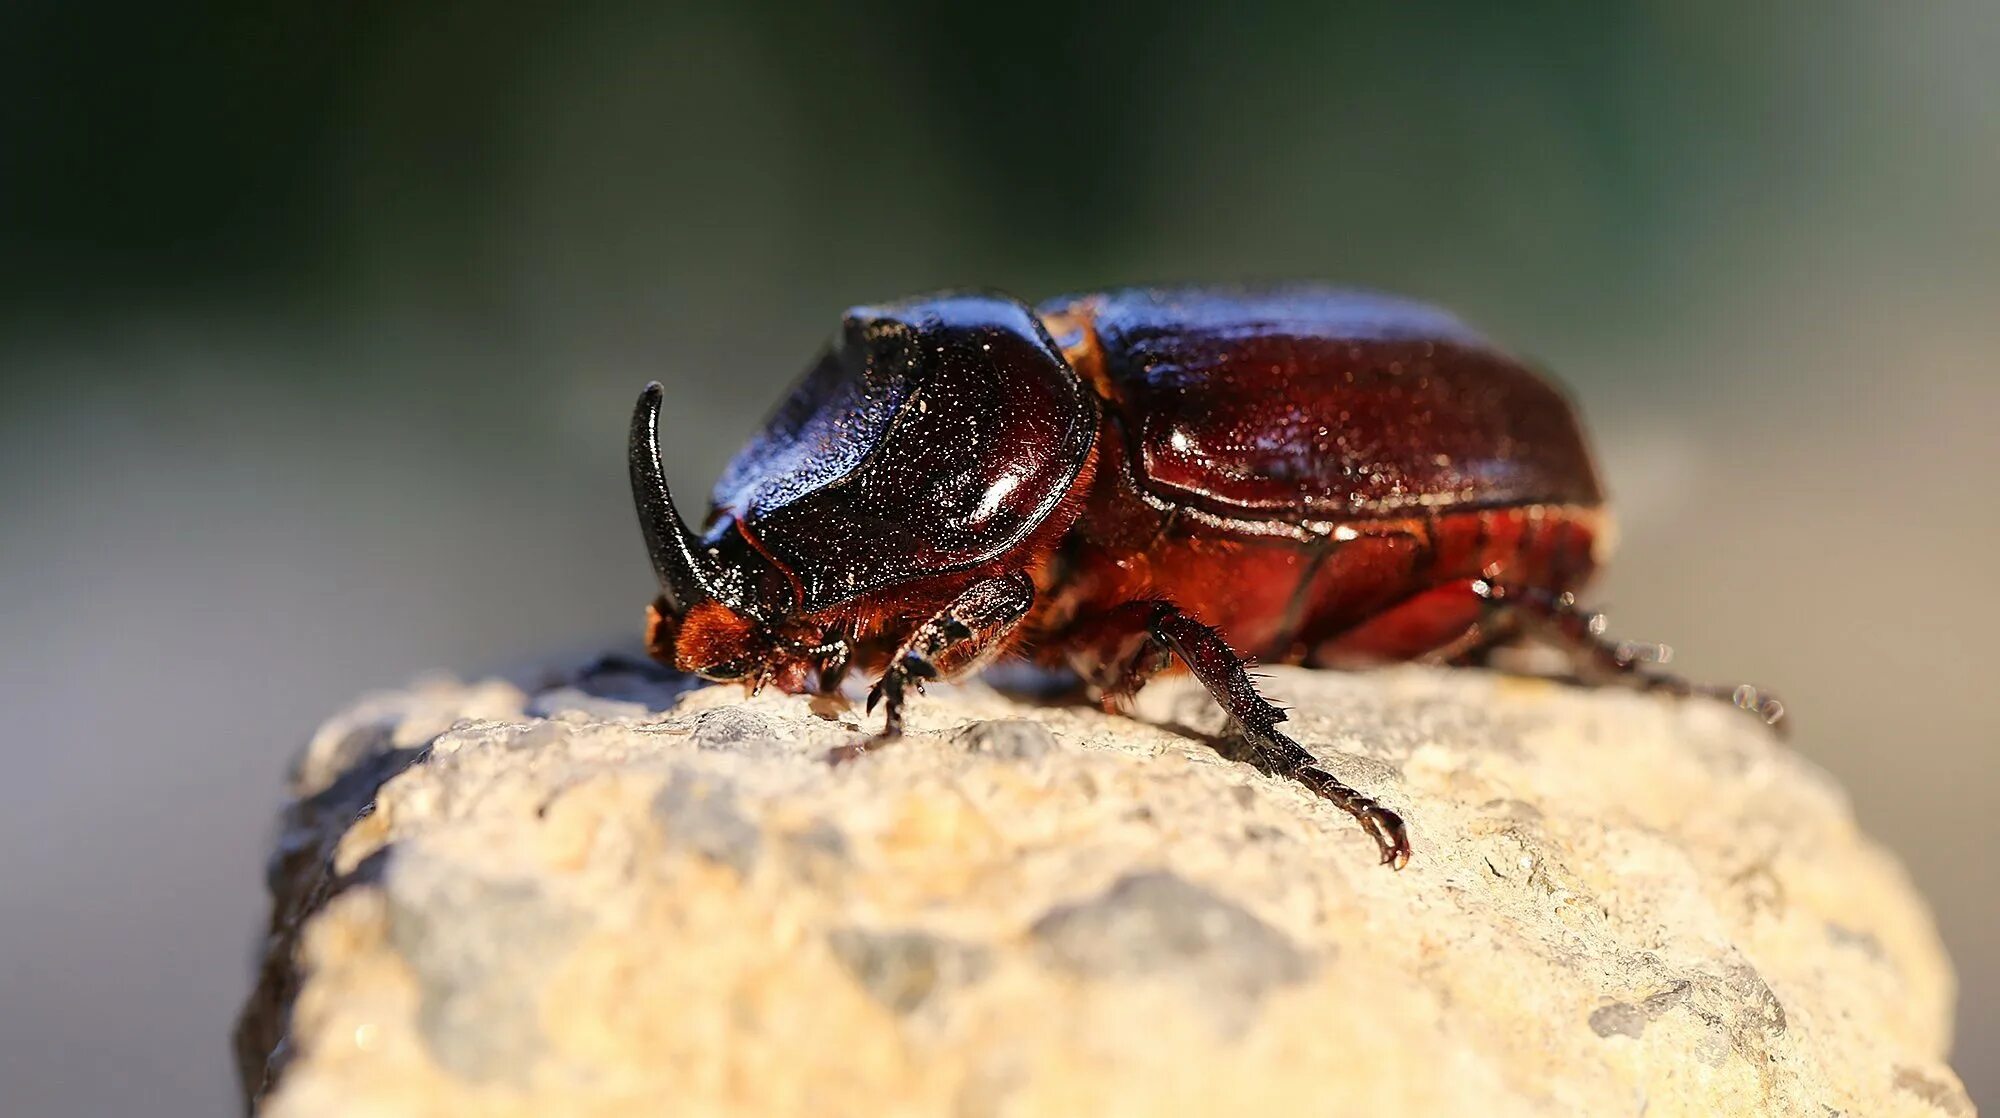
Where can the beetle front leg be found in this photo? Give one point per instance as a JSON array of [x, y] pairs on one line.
[[955, 640]]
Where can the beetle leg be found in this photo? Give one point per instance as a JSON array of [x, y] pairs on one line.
[[1581, 634], [833, 658], [957, 639], [1222, 671], [1115, 652]]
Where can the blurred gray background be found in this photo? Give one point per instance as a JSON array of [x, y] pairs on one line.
[[319, 324]]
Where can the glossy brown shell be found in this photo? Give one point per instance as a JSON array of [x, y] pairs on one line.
[[933, 436], [1316, 404], [1319, 473]]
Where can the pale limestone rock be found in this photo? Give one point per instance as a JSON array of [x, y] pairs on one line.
[[590, 900]]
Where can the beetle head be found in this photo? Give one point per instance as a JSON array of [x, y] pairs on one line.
[[704, 620], [720, 643]]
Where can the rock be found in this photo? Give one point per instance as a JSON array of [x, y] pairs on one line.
[[594, 900]]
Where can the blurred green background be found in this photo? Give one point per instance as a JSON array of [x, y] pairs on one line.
[[319, 324]]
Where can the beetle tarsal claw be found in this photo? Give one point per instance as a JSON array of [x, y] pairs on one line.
[[1387, 828], [1760, 703], [1392, 839]]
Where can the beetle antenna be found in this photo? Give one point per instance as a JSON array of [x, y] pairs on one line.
[[678, 557]]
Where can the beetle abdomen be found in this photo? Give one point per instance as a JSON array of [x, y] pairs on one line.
[[1311, 404], [1387, 589]]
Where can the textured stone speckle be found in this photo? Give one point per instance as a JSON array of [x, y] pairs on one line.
[[1945, 1096], [610, 895], [1156, 923], [1618, 1019], [730, 727], [466, 941], [701, 812], [903, 969], [1017, 738]]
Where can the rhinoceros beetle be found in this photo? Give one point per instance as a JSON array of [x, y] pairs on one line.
[[1110, 482]]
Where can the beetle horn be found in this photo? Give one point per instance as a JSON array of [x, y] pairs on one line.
[[678, 557]]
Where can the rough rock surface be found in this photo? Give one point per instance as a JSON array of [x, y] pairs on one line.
[[610, 899]]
